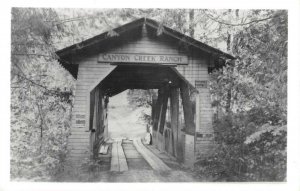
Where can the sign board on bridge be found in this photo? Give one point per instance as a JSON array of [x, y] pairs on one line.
[[143, 58]]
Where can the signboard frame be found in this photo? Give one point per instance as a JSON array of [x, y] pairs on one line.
[[163, 59]]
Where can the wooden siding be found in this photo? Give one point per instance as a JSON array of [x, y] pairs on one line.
[[197, 70], [148, 45], [90, 73]]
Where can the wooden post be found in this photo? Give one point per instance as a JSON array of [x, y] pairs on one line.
[[162, 115], [92, 105], [187, 109], [157, 108], [174, 118], [153, 107], [156, 114]]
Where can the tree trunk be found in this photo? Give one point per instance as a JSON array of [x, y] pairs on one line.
[[191, 24], [228, 42], [228, 100]]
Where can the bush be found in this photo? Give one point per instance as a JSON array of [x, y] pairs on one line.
[[246, 151]]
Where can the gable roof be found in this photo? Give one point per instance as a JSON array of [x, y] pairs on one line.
[[66, 54]]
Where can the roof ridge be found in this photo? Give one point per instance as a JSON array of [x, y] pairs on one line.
[[147, 21]]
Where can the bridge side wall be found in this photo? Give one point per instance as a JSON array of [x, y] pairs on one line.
[[89, 73], [196, 72]]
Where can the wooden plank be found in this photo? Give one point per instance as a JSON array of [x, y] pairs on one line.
[[80, 103], [142, 47], [82, 92], [98, 70], [122, 159], [97, 65], [162, 115], [86, 82], [114, 164], [198, 121], [174, 100], [91, 75], [147, 40], [83, 141], [80, 86], [79, 133], [79, 151], [135, 47], [187, 109], [157, 110], [153, 106], [75, 155], [104, 149], [155, 162], [87, 75], [154, 43], [151, 50], [79, 136], [76, 130], [78, 109], [81, 98], [90, 71], [78, 147]]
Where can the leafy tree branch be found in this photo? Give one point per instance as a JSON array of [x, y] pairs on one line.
[[237, 24]]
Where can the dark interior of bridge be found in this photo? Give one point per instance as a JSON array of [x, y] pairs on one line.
[[139, 77]]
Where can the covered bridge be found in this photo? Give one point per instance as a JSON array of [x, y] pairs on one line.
[[137, 56]]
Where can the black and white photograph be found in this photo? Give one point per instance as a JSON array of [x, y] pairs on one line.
[[148, 95]]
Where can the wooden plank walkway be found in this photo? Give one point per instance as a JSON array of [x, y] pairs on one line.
[[135, 160], [118, 159], [155, 162], [122, 158]]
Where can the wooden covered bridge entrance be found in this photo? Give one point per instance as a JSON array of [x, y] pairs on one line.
[[144, 55]]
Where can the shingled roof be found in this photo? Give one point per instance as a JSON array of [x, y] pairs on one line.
[[66, 55]]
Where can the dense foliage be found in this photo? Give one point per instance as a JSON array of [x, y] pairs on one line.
[[142, 98], [41, 97], [251, 98], [249, 95]]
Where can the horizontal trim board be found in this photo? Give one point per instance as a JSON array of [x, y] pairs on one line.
[[74, 144], [79, 136], [80, 151], [79, 140]]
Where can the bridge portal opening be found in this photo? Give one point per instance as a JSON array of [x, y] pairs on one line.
[[129, 114], [172, 100]]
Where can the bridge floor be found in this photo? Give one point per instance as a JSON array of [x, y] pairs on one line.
[[159, 168], [135, 160]]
